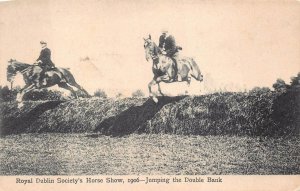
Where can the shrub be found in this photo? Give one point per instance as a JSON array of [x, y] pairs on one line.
[[8, 95], [295, 81], [119, 95], [43, 94], [280, 85], [5, 93], [138, 93], [100, 93]]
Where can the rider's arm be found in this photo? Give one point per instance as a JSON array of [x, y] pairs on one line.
[[39, 58]]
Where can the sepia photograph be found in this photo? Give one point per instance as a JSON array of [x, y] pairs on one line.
[[183, 93]]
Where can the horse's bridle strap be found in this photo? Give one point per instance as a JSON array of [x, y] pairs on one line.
[[23, 71]]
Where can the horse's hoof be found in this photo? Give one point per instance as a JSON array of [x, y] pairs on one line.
[[20, 105], [155, 99], [19, 98]]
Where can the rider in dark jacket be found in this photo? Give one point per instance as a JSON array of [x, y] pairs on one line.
[[167, 43], [44, 61]]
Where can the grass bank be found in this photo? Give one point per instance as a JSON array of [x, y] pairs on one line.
[[263, 113]]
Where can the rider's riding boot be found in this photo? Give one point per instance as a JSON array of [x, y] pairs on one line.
[[175, 71], [37, 80], [42, 79], [175, 76], [44, 82]]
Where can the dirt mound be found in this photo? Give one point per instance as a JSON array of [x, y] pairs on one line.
[[257, 113]]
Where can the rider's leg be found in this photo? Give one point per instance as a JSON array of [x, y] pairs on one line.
[[36, 76], [175, 76], [42, 78], [175, 70], [44, 81], [173, 57], [36, 79]]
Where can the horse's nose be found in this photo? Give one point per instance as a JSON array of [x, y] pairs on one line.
[[201, 78]]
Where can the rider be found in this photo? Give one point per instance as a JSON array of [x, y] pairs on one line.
[[44, 61], [168, 45]]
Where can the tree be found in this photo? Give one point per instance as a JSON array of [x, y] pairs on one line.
[[259, 90], [5, 93], [138, 93], [100, 93], [119, 95], [280, 85], [295, 81]]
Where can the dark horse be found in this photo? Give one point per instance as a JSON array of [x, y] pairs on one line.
[[60, 76], [163, 67]]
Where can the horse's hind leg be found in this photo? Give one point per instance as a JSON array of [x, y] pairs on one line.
[[188, 82], [71, 81], [81, 89], [67, 87], [74, 83]]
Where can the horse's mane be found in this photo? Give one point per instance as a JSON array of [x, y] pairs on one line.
[[156, 50], [22, 63]]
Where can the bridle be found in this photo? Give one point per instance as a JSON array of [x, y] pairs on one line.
[[13, 74]]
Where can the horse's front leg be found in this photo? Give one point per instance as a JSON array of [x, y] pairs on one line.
[[156, 82], [159, 89], [26, 90], [21, 93], [160, 79], [152, 83]]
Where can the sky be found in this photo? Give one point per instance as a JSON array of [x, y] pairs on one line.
[[238, 45]]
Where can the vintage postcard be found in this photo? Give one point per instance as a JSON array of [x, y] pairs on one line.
[[150, 95]]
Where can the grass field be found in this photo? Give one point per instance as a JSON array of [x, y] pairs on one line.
[[147, 154], [228, 133]]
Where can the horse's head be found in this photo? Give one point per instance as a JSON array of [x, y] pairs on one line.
[[150, 48], [14, 67], [11, 70]]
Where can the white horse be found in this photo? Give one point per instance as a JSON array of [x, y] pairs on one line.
[[163, 67]]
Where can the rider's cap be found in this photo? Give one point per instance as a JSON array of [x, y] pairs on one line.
[[164, 31], [43, 42], [11, 60]]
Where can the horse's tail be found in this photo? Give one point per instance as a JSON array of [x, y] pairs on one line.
[[195, 71]]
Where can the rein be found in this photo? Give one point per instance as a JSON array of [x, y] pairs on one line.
[[25, 70], [22, 72]]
